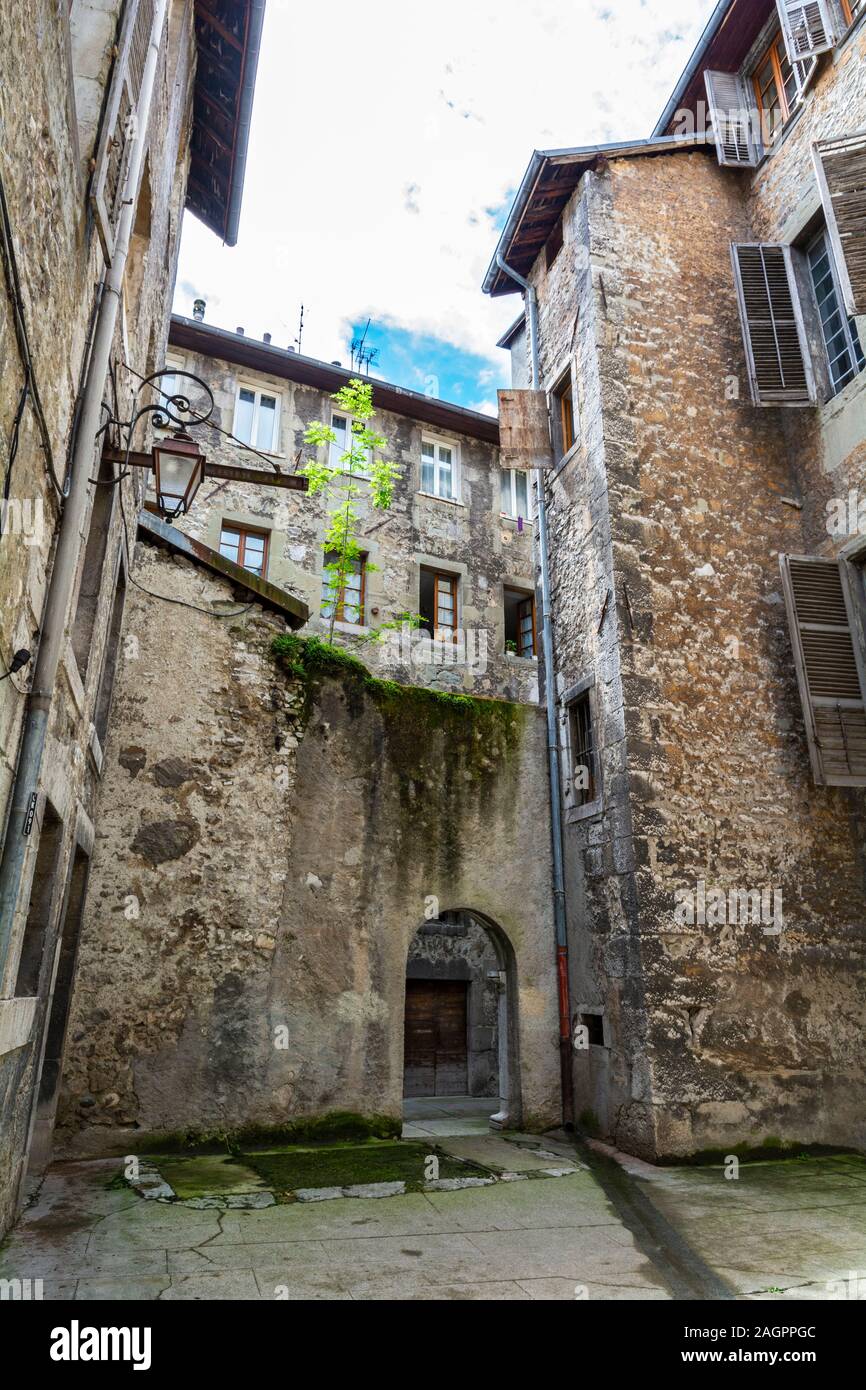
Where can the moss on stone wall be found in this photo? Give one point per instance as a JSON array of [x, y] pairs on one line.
[[443, 747], [483, 728]]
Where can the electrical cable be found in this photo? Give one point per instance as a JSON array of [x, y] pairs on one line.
[[13, 289]]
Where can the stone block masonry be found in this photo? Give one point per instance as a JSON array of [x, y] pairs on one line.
[[272, 830]]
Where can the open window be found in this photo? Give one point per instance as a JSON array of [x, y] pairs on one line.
[[840, 166], [438, 604], [842, 345], [520, 635]]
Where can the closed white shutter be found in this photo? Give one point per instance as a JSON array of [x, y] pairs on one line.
[[831, 693], [118, 128], [734, 114], [810, 27], [777, 352], [841, 169]]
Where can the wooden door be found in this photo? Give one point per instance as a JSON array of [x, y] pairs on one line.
[[435, 1046]]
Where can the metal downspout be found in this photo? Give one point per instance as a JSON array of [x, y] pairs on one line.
[[552, 733], [55, 613]]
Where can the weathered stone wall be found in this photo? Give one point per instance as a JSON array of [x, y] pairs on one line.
[[51, 82], [714, 1035], [469, 538], [268, 847]]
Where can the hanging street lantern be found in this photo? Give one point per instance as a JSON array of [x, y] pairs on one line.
[[178, 466]]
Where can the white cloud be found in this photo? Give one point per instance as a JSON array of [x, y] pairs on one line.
[[382, 134]]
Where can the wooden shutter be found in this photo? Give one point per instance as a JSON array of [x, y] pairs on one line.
[[734, 114], [827, 670], [841, 169], [777, 352], [524, 430], [118, 130], [809, 26]]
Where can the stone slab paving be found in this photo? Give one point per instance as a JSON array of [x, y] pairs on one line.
[[795, 1227], [787, 1229]]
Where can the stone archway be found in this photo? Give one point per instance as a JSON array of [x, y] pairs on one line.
[[460, 1016]]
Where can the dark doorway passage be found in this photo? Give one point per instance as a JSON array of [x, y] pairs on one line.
[[58, 1015], [436, 1060]]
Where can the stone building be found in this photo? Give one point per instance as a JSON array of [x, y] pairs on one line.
[[459, 530], [699, 300], [114, 117], [338, 890]]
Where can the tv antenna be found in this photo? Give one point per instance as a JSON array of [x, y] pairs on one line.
[[363, 358], [300, 330]]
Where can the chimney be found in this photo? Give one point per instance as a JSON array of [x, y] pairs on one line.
[[336, 364], [267, 338], [240, 331], [198, 308]]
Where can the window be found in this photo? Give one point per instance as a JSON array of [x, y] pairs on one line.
[[109, 661], [519, 623], [776, 87], [852, 8], [514, 493], [563, 415], [584, 779], [344, 601], [439, 470], [247, 548], [841, 339], [257, 419], [94, 565], [594, 1025], [438, 605], [341, 426]]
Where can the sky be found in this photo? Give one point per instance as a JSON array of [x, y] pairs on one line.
[[387, 144]]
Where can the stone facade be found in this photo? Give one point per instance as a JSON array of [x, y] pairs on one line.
[[485, 551], [55, 64], [666, 523], [268, 848]]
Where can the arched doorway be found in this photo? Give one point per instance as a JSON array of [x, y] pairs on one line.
[[460, 1033]]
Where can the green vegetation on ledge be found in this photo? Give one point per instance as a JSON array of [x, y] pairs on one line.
[[310, 660]]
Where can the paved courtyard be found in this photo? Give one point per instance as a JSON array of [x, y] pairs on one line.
[[550, 1222]]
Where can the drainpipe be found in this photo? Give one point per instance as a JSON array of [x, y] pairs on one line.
[[72, 522], [552, 732]]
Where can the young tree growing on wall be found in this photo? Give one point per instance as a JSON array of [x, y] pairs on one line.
[[340, 482]]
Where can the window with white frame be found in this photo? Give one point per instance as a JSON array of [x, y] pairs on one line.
[[257, 419], [845, 357], [439, 477], [171, 385], [515, 497], [342, 427]]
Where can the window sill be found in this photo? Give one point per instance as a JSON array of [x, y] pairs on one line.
[[530, 662], [16, 1022], [349, 629], [575, 814], [527, 520], [448, 501], [566, 459]]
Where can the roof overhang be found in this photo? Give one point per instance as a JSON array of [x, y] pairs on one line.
[[549, 181], [194, 336], [228, 39], [249, 585], [733, 28], [518, 326]]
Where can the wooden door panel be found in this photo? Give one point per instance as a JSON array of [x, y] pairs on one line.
[[435, 1049]]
